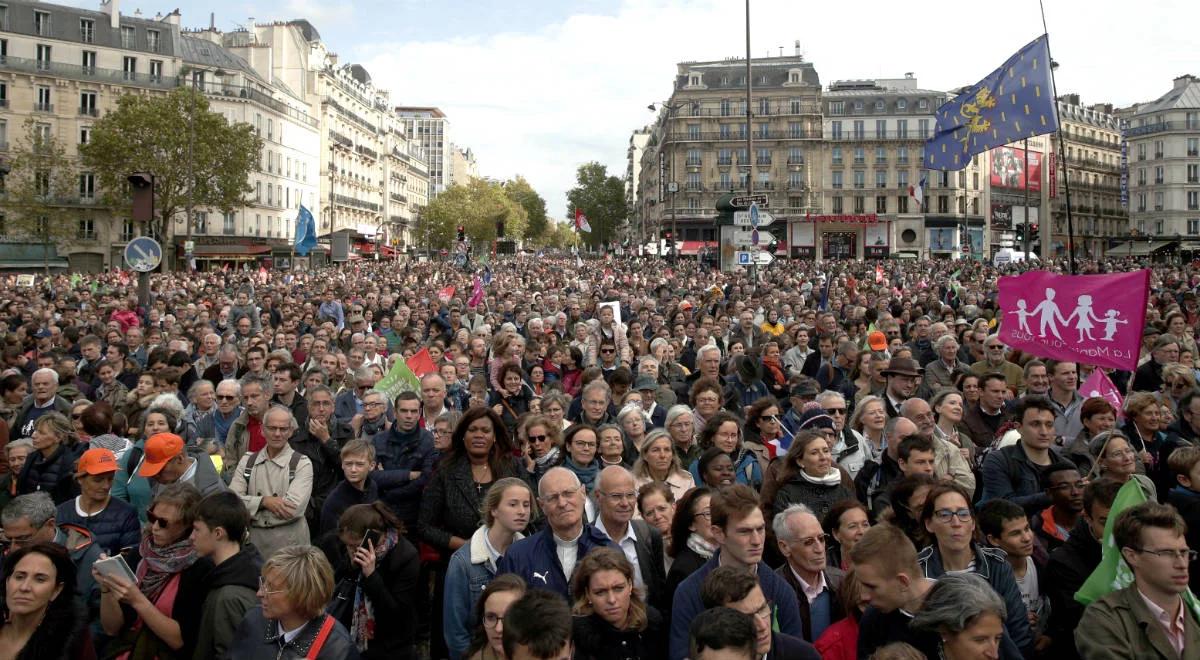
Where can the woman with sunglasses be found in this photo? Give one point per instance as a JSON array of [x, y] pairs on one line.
[[507, 510], [159, 615], [763, 426], [950, 521]]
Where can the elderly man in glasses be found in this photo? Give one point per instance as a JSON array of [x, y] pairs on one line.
[[802, 542]]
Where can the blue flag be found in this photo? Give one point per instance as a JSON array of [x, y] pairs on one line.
[[306, 232], [1014, 102], [824, 304]]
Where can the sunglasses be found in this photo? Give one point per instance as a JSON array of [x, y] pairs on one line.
[[157, 521], [226, 397], [537, 438]]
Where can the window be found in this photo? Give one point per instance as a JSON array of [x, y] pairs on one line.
[[3, 133], [1158, 174], [156, 67], [228, 227], [258, 191], [881, 179], [726, 107], [693, 157], [795, 106], [1193, 147], [3, 92], [860, 204], [127, 230], [41, 183], [1193, 226], [41, 23], [795, 202], [43, 57], [837, 203], [795, 156], [1141, 179], [923, 128], [87, 30], [858, 106], [88, 61], [902, 155], [859, 156], [1193, 200], [837, 180], [87, 186], [87, 104], [257, 224], [880, 155], [922, 104], [129, 68], [1193, 173], [902, 204], [152, 41], [880, 128], [943, 205], [1158, 201], [764, 106], [41, 133], [726, 181], [764, 181], [835, 107], [879, 106], [835, 130], [836, 153], [860, 179], [85, 134], [962, 205], [1141, 206], [693, 131], [742, 131], [270, 128], [859, 130], [3, 17], [1158, 226], [901, 104], [693, 182], [902, 179], [795, 130], [201, 222], [1141, 151], [725, 156], [127, 37], [795, 180], [87, 229], [764, 157], [902, 129], [1158, 149], [881, 204], [764, 131], [43, 100]]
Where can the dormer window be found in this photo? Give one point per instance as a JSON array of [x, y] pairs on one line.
[[794, 77], [693, 80], [901, 104], [879, 106]]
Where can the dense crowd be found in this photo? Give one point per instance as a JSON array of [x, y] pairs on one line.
[[610, 458]]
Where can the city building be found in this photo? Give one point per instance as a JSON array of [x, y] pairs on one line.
[[1164, 171], [1091, 137], [698, 146], [463, 167], [873, 146], [430, 128], [64, 67], [1020, 182], [636, 229]]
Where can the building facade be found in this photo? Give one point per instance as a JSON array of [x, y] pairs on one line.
[[1092, 162], [635, 232], [463, 167], [430, 128], [1164, 168]]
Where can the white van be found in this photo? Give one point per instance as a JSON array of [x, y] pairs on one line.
[[1010, 256]]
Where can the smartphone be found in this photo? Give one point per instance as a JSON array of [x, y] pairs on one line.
[[372, 536]]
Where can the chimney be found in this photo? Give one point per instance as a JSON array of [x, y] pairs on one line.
[[174, 18], [798, 52], [111, 8], [1184, 80]]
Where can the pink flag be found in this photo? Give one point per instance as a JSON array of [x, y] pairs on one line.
[[1099, 384], [1094, 319], [446, 294], [476, 294]]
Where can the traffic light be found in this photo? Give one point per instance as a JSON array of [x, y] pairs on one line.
[[1020, 229], [1033, 230], [462, 234]]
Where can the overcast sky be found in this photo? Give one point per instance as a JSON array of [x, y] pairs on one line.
[[538, 87]]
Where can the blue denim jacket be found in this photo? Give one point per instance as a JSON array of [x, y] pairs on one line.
[[469, 572]]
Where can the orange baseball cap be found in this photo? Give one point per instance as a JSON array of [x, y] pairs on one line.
[[96, 461], [160, 448], [877, 341]]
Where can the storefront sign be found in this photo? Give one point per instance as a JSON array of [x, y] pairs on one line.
[[804, 252], [875, 251], [861, 219], [1001, 216]]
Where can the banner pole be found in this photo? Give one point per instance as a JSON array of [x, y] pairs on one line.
[[1062, 150]]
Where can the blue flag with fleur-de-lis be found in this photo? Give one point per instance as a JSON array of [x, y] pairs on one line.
[[1014, 102]]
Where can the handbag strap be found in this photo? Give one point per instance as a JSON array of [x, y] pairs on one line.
[[322, 635]]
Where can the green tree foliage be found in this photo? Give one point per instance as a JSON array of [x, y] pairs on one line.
[[601, 197], [560, 235], [42, 195], [521, 192], [152, 134], [476, 205]]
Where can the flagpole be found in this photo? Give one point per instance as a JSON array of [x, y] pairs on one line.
[[1062, 150]]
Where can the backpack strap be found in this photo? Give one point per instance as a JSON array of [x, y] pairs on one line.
[[292, 463], [249, 467], [319, 642], [131, 463]]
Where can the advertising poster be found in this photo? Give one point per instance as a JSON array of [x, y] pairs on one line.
[[943, 239], [1008, 169], [875, 241], [803, 241]]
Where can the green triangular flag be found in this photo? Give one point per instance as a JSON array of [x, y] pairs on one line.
[[399, 379]]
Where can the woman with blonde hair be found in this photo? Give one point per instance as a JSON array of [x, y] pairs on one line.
[[611, 618], [294, 588], [658, 462], [51, 466], [543, 445]]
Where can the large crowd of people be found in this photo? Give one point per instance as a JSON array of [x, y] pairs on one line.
[[621, 457]]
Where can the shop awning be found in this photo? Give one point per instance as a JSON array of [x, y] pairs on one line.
[[32, 265], [1138, 248], [693, 247], [219, 251]]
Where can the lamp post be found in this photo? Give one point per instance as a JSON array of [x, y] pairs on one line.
[[672, 185]]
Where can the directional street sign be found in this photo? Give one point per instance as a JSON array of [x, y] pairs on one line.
[[743, 237], [754, 258], [744, 219], [143, 254], [746, 200]]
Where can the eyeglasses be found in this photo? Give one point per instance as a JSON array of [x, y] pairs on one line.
[[538, 438], [608, 350], [262, 587], [158, 521], [835, 411], [620, 497], [703, 514], [1189, 555], [582, 444], [945, 515], [812, 541], [562, 496], [765, 611], [491, 620]]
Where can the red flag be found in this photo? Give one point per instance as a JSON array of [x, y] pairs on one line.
[[421, 363], [581, 222], [446, 294]]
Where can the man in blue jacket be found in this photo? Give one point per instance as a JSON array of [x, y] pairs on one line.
[[405, 455], [741, 534], [547, 559]]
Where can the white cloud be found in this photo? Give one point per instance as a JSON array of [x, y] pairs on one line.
[[543, 102]]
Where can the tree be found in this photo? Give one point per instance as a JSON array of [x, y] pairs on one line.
[[476, 205], [521, 192], [156, 134], [42, 190], [602, 199], [560, 235]]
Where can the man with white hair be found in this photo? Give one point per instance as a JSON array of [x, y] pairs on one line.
[[547, 560], [43, 398], [616, 494], [802, 542], [275, 483]]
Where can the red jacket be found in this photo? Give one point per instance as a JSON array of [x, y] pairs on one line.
[[839, 641]]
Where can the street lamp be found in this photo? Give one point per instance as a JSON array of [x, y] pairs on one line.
[[672, 186]]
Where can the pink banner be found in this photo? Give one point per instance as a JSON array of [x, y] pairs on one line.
[[476, 294], [1094, 319], [1099, 384]]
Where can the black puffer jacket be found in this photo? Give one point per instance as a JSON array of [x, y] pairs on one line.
[[62, 635], [54, 475], [257, 638]]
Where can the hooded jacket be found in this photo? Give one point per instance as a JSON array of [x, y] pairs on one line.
[[1068, 567], [232, 588]]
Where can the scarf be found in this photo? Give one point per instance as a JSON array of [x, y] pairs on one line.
[[776, 368], [159, 565], [700, 546], [587, 475], [362, 621], [548, 459], [832, 478]]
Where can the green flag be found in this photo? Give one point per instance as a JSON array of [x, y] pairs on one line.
[[399, 379], [1113, 573]]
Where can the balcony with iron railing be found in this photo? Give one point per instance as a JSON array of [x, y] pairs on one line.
[[366, 151], [715, 136], [873, 136], [89, 111], [693, 162], [90, 74]]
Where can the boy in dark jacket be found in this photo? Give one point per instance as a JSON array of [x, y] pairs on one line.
[[232, 585], [1184, 463]]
